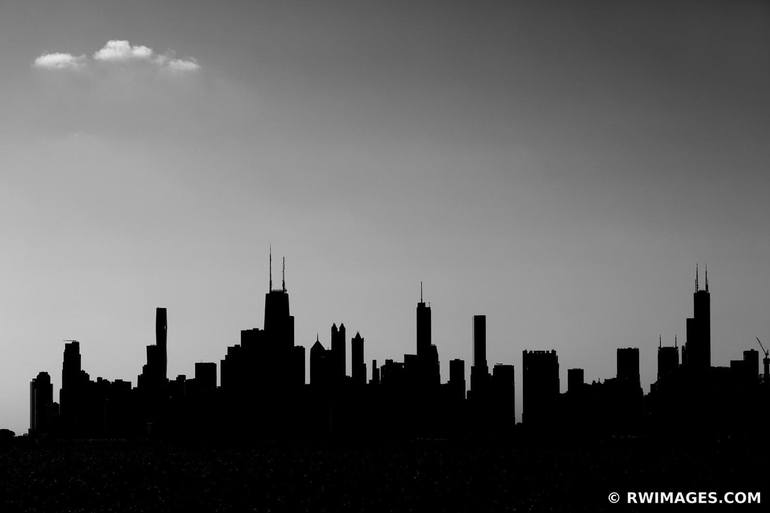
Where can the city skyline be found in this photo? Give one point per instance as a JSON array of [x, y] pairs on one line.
[[261, 387], [559, 168]]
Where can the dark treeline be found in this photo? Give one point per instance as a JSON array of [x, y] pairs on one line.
[[262, 391]]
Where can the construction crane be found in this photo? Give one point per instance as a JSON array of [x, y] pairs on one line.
[[765, 361]]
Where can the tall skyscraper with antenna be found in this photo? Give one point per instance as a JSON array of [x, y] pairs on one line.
[[696, 353], [423, 327]]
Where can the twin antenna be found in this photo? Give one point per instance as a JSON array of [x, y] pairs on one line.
[[283, 271], [696, 278]]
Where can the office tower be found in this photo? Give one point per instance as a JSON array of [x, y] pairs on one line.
[[358, 367], [480, 341], [153, 378], [279, 323], [751, 357], [231, 370], [457, 378], [160, 341], [319, 365], [423, 328], [298, 365], [575, 380], [503, 396], [41, 405], [540, 386], [72, 391], [206, 376], [338, 353], [375, 373], [479, 370], [696, 353], [71, 370], [668, 359], [628, 367]]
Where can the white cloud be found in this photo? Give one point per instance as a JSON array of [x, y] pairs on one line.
[[116, 50], [59, 60], [183, 65]]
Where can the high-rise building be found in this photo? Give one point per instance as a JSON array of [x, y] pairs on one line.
[[161, 329], [575, 380], [423, 328], [628, 366], [279, 323], [696, 353], [751, 357], [668, 359], [41, 405], [480, 341], [479, 370], [457, 378], [503, 396], [358, 367], [338, 353], [540, 387], [206, 376], [319, 365]]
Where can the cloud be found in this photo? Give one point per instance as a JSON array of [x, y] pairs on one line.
[[116, 51], [183, 65], [60, 61]]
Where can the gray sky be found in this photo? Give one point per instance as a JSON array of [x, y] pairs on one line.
[[560, 169]]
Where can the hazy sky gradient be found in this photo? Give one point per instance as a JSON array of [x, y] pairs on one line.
[[559, 168]]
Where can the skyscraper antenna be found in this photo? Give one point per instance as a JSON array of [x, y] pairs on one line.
[[421, 291], [696, 277], [707, 278], [270, 252], [283, 274], [660, 341]]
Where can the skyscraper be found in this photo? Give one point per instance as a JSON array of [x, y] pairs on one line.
[[423, 328], [41, 406], [338, 353], [696, 353], [479, 370], [319, 365], [668, 359], [358, 367], [457, 378], [540, 387], [279, 323], [480, 341], [575, 380], [628, 366], [160, 341]]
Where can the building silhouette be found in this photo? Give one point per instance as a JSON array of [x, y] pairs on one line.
[[479, 370], [668, 359], [259, 390], [357, 365], [696, 353], [540, 388], [575, 380]]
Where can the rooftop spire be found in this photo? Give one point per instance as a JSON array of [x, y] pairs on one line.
[[421, 291], [270, 252], [660, 341], [707, 278], [283, 274]]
